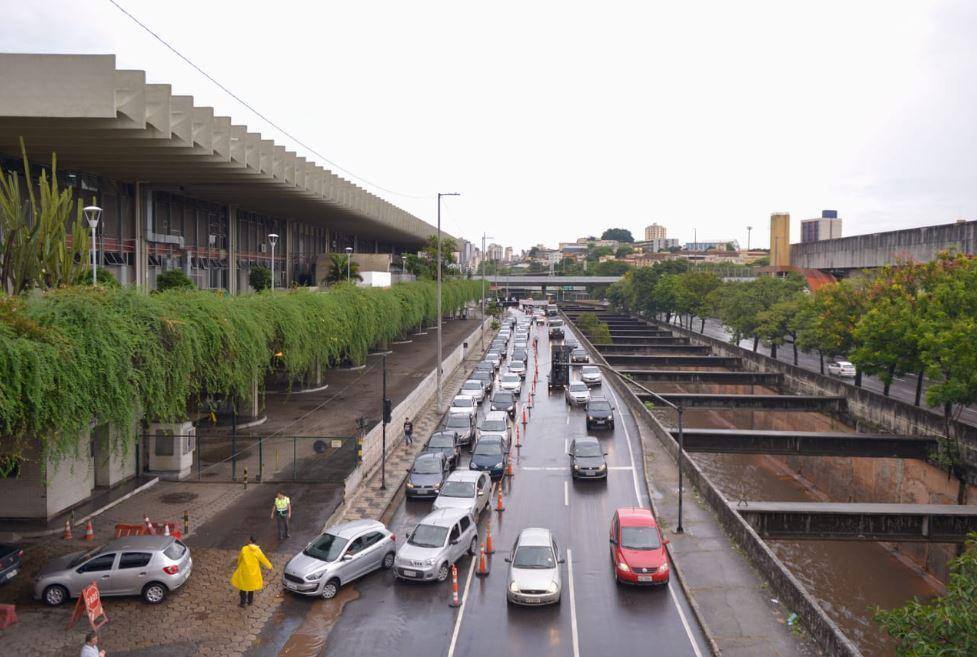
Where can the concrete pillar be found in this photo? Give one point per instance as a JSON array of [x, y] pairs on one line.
[[779, 239], [142, 251], [290, 230], [232, 249]]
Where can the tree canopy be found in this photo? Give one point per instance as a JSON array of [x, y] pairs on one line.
[[619, 234]]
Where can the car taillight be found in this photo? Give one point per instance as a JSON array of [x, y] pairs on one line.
[[393, 537], [20, 553], [171, 570]]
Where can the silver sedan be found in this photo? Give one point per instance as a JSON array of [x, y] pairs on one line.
[[534, 576]]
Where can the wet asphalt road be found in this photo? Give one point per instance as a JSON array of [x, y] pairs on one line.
[[382, 616]]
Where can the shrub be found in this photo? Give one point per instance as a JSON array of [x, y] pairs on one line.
[[174, 279]]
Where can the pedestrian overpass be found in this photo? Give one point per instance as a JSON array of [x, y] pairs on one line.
[[563, 287]]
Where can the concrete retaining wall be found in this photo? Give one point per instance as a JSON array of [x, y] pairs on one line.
[[788, 588]]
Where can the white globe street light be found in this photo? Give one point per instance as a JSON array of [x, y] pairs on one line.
[[349, 257], [273, 240], [92, 214]]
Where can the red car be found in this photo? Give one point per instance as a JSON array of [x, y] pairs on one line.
[[637, 548]]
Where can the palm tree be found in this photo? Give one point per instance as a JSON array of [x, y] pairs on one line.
[[338, 264]]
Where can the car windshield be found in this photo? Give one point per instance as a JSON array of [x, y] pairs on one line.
[[493, 425], [427, 466], [578, 387], [458, 489], [579, 352], [502, 398], [462, 402], [600, 406], [429, 536], [488, 449], [517, 365], [442, 440], [589, 370], [325, 548], [510, 378], [472, 385], [85, 556], [587, 449], [640, 538], [534, 556], [456, 421]]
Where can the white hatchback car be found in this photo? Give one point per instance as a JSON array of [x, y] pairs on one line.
[[463, 405], [465, 489], [841, 368], [511, 382]]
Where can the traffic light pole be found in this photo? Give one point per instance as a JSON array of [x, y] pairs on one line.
[[383, 431]]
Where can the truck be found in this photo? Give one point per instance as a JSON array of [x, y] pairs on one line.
[[556, 329], [559, 366]]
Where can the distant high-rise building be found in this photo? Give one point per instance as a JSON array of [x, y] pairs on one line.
[[494, 252], [825, 227], [508, 254], [654, 232], [780, 239]]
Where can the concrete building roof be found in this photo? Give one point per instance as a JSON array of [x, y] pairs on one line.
[[110, 122]]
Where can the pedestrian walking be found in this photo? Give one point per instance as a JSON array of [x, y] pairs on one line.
[[408, 432], [90, 648], [247, 576], [282, 513]]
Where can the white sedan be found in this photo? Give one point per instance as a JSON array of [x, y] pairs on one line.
[[473, 388], [841, 368], [511, 382], [463, 405]]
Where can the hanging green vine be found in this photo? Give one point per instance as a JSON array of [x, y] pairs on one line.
[[71, 356]]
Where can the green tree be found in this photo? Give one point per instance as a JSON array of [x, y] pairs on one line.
[[624, 250], [743, 303], [175, 279], [339, 264], [610, 268], [838, 308], [537, 267], [779, 322], [694, 288], [619, 234], [103, 276], [424, 264], [260, 278], [945, 626]]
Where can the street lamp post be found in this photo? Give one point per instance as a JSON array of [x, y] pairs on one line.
[[273, 240], [437, 365], [349, 259], [749, 229], [481, 333], [93, 213]]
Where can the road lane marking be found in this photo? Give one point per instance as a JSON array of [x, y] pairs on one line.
[[568, 417], [566, 445], [637, 492], [573, 606], [566, 493], [461, 610], [564, 468]]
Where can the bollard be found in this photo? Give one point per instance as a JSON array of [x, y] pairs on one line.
[[245, 477], [482, 564], [359, 449], [186, 522], [454, 587]]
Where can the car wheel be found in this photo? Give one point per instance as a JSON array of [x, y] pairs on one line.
[[55, 595], [330, 590], [154, 593], [388, 561], [473, 546], [443, 572]]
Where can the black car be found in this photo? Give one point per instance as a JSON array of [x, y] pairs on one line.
[[486, 378], [503, 400], [425, 477], [9, 561], [600, 413], [587, 458], [446, 443], [488, 456], [462, 424]]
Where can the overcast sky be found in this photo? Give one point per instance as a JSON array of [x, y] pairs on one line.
[[560, 119]]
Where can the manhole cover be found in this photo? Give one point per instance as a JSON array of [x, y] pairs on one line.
[[177, 498]]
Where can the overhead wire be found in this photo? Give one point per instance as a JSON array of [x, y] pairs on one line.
[[259, 114]]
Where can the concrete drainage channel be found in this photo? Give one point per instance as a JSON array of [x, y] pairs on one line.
[[825, 632]]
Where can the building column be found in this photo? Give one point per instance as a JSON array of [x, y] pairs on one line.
[[232, 249], [290, 229], [142, 252]]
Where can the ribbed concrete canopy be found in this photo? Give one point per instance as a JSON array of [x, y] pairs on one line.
[[109, 122]]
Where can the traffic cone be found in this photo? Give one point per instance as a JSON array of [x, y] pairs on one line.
[[518, 443], [454, 587], [166, 529], [482, 564], [89, 531], [489, 549], [524, 421], [67, 530], [498, 504], [508, 469], [149, 526]]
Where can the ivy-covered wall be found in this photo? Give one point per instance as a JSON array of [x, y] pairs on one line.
[[73, 355]]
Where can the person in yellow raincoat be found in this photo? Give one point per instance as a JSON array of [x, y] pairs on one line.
[[247, 576]]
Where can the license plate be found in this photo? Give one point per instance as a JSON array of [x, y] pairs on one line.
[[410, 573], [645, 578], [289, 585], [12, 574]]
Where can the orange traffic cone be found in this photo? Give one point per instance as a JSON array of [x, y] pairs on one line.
[[149, 526], [166, 529], [518, 443], [67, 530], [489, 549], [498, 505], [482, 564], [524, 420], [508, 469], [89, 531], [454, 587]]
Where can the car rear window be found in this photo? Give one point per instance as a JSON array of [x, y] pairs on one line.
[[175, 551]]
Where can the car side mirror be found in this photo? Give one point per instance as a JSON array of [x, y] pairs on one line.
[[454, 541], [561, 560], [347, 557], [508, 560], [605, 453], [613, 541], [408, 470], [666, 541]]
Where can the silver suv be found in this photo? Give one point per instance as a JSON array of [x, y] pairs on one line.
[[343, 553], [465, 489], [150, 566], [439, 540]]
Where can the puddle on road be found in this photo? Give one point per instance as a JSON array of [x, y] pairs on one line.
[[310, 638]]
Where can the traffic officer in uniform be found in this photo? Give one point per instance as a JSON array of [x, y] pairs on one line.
[[282, 513]]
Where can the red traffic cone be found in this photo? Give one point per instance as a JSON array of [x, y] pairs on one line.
[[489, 549], [498, 505], [89, 531], [166, 529], [67, 530], [454, 587], [482, 564], [518, 443], [149, 526], [508, 469]]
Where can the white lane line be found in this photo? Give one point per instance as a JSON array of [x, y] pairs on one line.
[[568, 418], [637, 492], [566, 493], [563, 468], [573, 606], [566, 445], [461, 610]]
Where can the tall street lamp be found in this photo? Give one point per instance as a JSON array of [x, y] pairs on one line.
[[481, 332], [273, 240], [93, 213], [349, 258], [437, 365]]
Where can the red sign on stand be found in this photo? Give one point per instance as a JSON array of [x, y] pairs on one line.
[[90, 603]]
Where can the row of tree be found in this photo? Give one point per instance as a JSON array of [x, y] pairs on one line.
[[912, 318]]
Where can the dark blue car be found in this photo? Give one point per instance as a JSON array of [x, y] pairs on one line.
[[488, 456], [429, 471]]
